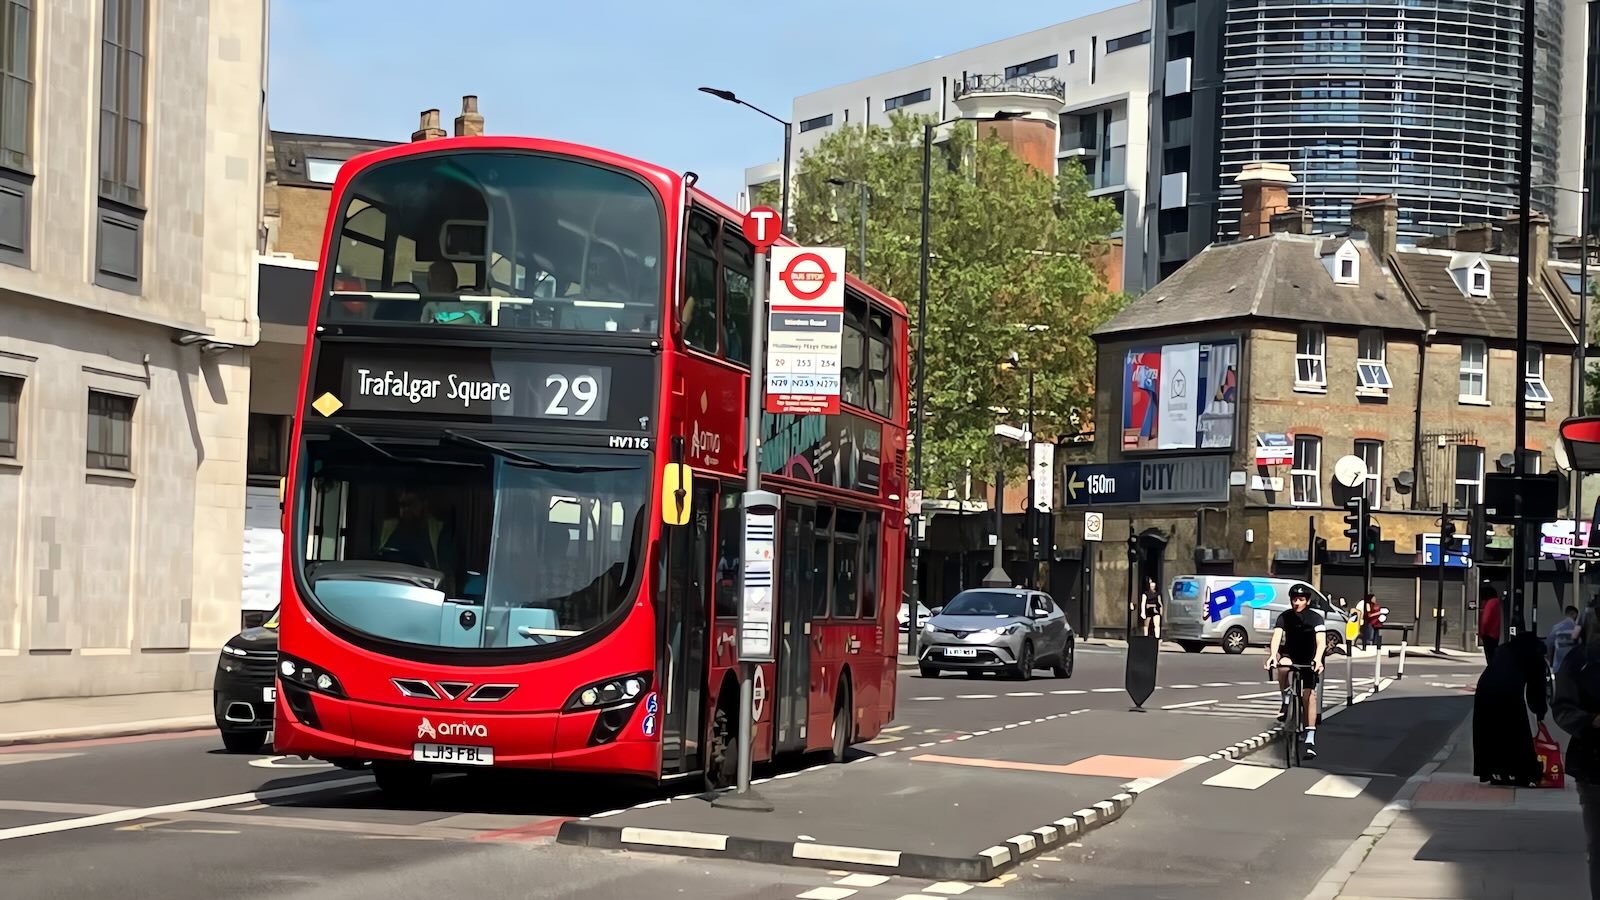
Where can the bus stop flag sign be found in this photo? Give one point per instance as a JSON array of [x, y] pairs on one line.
[[805, 330]]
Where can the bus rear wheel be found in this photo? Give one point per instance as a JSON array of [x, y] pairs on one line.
[[401, 780], [841, 728]]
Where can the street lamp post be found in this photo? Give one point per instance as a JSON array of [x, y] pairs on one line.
[[861, 221], [788, 133], [922, 342], [1014, 361], [1581, 375]]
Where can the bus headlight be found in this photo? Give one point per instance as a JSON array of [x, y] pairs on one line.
[[622, 690], [305, 675]]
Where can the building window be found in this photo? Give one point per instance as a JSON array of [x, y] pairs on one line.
[[1372, 367], [816, 122], [1043, 64], [1310, 370], [1072, 57], [1306, 487], [16, 91], [1534, 390], [1127, 41], [267, 445], [110, 432], [10, 407], [322, 171], [1371, 453], [120, 224], [1474, 372], [907, 99], [1469, 476], [1347, 270], [1478, 279]]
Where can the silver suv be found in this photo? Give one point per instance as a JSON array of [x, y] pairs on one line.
[[1000, 630]]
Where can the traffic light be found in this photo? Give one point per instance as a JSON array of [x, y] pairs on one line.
[[1133, 548], [1355, 523], [1374, 536], [1449, 541], [1478, 531]]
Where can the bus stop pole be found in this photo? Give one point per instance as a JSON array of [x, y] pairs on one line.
[[744, 797]]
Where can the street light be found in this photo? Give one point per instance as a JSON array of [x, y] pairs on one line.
[[1583, 365], [922, 343], [1014, 362], [788, 131], [861, 225]]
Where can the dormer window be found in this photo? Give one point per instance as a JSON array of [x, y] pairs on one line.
[[1478, 279], [1343, 264]]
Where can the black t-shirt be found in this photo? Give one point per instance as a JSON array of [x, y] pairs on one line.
[[1299, 634]]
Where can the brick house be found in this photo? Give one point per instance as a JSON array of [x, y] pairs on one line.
[[1230, 392]]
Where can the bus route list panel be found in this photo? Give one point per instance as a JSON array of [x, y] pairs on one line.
[[756, 614]]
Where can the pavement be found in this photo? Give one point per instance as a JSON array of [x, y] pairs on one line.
[[1449, 837], [70, 718], [120, 814]]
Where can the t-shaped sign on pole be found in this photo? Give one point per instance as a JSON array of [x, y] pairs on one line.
[[756, 611]]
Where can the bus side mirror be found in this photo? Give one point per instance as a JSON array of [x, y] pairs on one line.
[[677, 480]]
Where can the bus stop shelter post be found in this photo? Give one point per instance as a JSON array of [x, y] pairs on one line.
[[743, 796]]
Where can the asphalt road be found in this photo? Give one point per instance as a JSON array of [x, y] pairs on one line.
[[174, 817]]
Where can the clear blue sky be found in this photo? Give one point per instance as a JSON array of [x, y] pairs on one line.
[[620, 74]]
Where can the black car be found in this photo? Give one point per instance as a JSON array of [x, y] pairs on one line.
[[243, 693]]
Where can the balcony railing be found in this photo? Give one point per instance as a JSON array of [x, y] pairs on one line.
[[1021, 84]]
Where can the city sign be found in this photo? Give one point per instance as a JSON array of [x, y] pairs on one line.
[[1181, 480], [1459, 560], [805, 330]]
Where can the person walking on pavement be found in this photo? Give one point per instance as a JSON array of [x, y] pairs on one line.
[[1562, 638], [1489, 621], [1511, 685], [1372, 621], [1576, 709], [1150, 610]]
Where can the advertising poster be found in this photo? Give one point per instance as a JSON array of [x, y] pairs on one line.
[[1180, 396], [1180, 388], [1141, 381]]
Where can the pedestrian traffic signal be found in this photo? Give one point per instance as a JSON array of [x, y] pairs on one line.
[[1374, 536], [1355, 523]]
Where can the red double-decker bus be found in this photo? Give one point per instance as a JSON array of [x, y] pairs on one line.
[[513, 509]]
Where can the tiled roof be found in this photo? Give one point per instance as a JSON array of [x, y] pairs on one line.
[[1280, 276], [1426, 273]]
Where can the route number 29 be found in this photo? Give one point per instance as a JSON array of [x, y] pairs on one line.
[[584, 389]]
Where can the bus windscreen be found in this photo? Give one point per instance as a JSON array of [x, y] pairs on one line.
[[498, 239]]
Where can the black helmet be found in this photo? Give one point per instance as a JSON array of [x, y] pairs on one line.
[[1299, 591]]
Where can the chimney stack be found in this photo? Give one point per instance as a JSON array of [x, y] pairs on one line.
[[1538, 244], [1265, 192], [429, 128], [1379, 217], [469, 123], [1477, 237], [1294, 221]]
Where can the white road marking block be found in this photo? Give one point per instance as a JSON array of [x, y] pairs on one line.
[[826, 893], [1343, 787], [1189, 704], [948, 888], [861, 880], [1242, 777]]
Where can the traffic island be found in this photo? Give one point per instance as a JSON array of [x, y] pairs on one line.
[[963, 809]]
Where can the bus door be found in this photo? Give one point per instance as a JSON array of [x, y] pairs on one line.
[[682, 642], [794, 613]]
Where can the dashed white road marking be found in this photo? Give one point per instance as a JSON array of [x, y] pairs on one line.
[[1241, 777], [1217, 684], [860, 880], [948, 888], [1067, 693], [1024, 694], [1189, 704], [1108, 690], [975, 697], [1258, 696], [826, 893], [1181, 687]]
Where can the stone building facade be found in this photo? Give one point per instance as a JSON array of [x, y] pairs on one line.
[[130, 185], [1341, 345]]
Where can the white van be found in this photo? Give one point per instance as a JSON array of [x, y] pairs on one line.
[[1236, 611]]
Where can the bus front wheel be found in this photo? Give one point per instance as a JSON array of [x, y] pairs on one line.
[[722, 763], [401, 780]]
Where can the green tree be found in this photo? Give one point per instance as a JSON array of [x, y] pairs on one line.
[[1012, 269]]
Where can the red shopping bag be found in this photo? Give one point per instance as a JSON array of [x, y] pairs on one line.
[[1549, 753]]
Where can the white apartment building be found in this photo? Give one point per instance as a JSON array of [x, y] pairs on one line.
[[1102, 59], [130, 189]]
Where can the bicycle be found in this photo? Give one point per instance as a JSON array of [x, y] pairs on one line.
[[1295, 714]]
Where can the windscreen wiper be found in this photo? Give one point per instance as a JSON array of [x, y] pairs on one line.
[[375, 448], [525, 460]]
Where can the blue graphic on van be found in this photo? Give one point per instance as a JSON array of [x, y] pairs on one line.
[[1234, 599], [1186, 588]]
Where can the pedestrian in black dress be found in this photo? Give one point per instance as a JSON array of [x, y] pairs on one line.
[[1502, 740]]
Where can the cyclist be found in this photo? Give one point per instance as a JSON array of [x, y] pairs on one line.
[[1299, 636]]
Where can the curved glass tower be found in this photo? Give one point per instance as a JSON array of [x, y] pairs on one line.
[[1416, 98]]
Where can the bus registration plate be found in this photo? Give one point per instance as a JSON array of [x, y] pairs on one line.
[[453, 753]]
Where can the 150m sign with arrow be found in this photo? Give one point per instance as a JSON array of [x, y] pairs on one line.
[[1108, 483]]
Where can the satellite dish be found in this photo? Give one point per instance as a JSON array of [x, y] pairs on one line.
[[1507, 461], [1405, 480], [1562, 462], [1350, 471]]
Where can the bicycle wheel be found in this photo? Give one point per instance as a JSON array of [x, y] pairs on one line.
[[1291, 727]]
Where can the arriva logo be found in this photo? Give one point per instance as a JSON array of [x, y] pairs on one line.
[[450, 729]]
